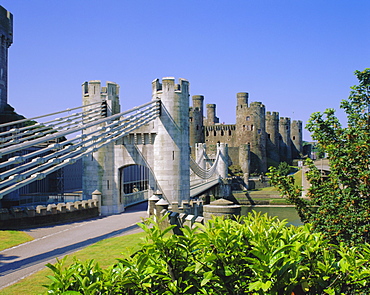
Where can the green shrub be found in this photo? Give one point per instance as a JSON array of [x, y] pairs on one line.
[[255, 254]]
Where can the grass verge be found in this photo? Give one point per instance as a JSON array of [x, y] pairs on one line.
[[105, 252], [11, 238]]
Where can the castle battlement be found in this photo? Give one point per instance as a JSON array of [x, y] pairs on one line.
[[219, 127], [256, 104], [168, 84], [284, 121], [272, 116]]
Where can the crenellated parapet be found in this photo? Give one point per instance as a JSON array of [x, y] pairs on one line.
[[20, 217]]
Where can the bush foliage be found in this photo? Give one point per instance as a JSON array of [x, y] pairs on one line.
[[255, 254]]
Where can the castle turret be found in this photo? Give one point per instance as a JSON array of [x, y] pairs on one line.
[[6, 35], [242, 100], [211, 115], [297, 139], [196, 121], [272, 133], [171, 145], [285, 141]]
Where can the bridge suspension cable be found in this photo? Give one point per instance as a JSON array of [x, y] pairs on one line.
[[205, 173], [48, 158]]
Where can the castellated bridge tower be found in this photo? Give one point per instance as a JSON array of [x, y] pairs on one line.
[[297, 139], [99, 168], [272, 140], [285, 141], [6, 35], [196, 121], [251, 129], [171, 146]]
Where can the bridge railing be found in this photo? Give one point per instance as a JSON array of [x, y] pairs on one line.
[[33, 159]]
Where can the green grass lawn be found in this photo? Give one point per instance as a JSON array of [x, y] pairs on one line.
[[105, 252], [11, 238]]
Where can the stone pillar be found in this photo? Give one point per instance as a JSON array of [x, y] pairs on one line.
[[171, 145], [221, 207], [223, 161], [96, 195], [151, 204], [200, 155]]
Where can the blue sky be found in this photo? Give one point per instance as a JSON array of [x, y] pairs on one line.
[[297, 57]]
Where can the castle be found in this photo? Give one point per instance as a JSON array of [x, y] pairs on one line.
[[257, 140]]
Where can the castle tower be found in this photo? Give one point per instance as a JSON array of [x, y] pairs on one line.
[[285, 141], [171, 145], [211, 115], [242, 100], [196, 121], [251, 129], [99, 171], [297, 139], [272, 133], [6, 35]]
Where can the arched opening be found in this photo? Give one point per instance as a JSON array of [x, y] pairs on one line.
[[133, 178]]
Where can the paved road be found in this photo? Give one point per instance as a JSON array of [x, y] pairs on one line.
[[59, 240]]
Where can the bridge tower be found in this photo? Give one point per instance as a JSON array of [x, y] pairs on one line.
[[171, 145], [6, 38], [99, 168]]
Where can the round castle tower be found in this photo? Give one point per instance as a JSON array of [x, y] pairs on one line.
[[171, 145], [272, 133], [196, 121], [251, 129], [6, 35], [285, 141], [297, 139], [211, 115]]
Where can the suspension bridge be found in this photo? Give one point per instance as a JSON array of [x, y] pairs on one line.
[[154, 135]]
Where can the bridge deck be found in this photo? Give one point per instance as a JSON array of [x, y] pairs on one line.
[[197, 189]]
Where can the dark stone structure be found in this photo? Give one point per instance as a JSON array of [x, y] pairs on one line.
[[257, 140]]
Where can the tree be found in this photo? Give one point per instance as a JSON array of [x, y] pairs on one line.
[[338, 205]]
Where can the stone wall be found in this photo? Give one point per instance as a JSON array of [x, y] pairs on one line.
[[23, 217]]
